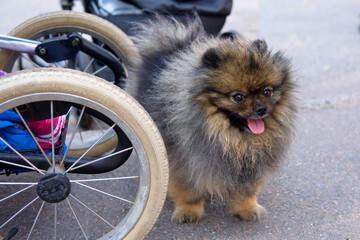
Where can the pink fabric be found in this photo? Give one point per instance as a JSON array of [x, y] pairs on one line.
[[42, 130]]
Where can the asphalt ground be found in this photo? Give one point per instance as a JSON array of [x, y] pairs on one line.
[[316, 192]]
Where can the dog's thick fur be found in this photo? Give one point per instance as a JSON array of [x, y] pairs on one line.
[[202, 91]]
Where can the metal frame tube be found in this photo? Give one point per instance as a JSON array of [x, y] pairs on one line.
[[18, 44]]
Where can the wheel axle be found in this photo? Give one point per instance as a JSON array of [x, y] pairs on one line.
[[53, 187]]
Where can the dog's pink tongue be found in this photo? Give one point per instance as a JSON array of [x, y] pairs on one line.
[[256, 126]]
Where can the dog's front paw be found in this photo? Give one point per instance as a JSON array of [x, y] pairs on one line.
[[250, 214], [187, 214]]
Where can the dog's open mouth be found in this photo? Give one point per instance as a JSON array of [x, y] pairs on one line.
[[256, 126]]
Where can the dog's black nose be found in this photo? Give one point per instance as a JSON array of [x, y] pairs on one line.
[[260, 110]]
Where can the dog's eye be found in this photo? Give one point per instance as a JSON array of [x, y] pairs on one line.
[[239, 98], [267, 92]]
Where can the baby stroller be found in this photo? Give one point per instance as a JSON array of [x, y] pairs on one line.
[[124, 13], [108, 180]]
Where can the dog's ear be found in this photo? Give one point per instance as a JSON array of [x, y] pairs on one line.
[[260, 45], [211, 58]]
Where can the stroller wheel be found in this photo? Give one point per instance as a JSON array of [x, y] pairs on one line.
[[116, 196]]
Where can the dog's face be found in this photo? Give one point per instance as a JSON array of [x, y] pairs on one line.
[[246, 83]]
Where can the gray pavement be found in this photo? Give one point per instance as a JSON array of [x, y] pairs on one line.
[[316, 193]]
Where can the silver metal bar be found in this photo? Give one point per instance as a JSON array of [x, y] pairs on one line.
[[35, 221], [77, 219], [92, 211], [102, 158], [19, 165], [55, 221], [73, 135], [73, 165], [16, 193], [108, 194], [104, 179], [26, 160], [22, 209], [32, 135], [18, 44], [18, 183], [52, 133]]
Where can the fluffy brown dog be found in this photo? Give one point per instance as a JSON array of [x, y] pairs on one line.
[[225, 109]]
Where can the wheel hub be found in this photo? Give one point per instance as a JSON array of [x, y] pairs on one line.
[[53, 187]]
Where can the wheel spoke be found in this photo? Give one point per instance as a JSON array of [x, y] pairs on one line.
[[17, 213], [98, 125], [76, 218], [92, 211], [55, 220], [105, 179], [19, 165], [32, 135], [35, 221], [102, 158], [73, 135], [19, 154], [16, 193], [76, 62], [18, 183], [100, 70], [108, 194], [80, 134], [89, 64], [52, 134], [81, 157]]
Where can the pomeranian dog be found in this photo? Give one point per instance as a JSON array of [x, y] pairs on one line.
[[225, 109]]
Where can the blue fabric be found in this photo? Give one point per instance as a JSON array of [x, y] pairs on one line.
[[10, 116], [18, 138]]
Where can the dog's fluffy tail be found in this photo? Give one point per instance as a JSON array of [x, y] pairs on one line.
[[166, 35], [159, 42]]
